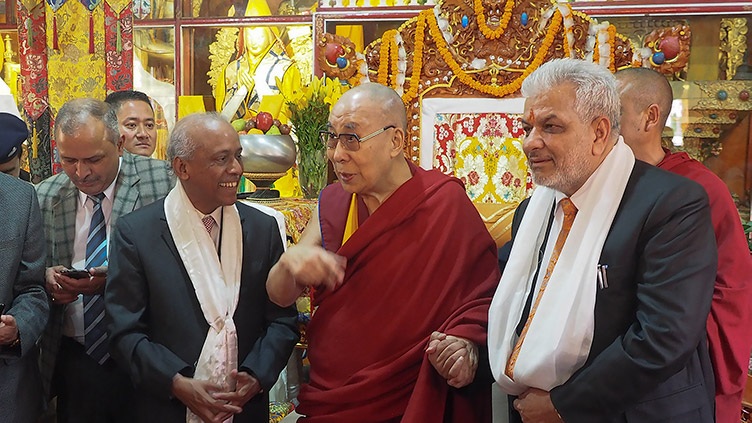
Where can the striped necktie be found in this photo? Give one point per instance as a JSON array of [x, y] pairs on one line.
[[95, 331], [570, 212]]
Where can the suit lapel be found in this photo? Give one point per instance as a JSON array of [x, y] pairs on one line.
[[126, 189], [64, 218]]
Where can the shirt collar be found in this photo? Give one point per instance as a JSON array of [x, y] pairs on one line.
[[109, 192], [216, 214]]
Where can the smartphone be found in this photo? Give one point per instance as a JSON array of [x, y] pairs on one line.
[[75, 273]]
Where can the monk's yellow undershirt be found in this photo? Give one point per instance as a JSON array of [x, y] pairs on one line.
[[351, 225]]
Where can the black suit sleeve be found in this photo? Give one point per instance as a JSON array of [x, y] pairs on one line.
[[674, 269], [151, 366], [271, 351]]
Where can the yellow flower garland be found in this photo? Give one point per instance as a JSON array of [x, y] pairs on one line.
[[596, 53], [386, 42], [489, 33], [497, 91], [420, 31]]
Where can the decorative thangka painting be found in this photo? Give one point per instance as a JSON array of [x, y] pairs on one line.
[[483, 150]]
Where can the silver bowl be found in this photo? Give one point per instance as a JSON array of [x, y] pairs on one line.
[[267, 153]]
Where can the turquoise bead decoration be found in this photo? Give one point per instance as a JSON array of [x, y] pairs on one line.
[[721, 95], [659, 57], [341, 62], [465, 21], [523, 19]]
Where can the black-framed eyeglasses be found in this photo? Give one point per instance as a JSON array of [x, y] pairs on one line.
[[350, 142]]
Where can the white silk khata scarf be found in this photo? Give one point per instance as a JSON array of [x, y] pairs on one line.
[[560, 334], [217, 285]]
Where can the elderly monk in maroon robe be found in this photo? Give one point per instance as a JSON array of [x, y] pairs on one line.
[[402, 271]]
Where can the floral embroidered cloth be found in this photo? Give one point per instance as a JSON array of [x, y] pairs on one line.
[[484, 150]]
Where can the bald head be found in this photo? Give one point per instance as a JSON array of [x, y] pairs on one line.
[[374, 166], [384, 98], [641, 87]]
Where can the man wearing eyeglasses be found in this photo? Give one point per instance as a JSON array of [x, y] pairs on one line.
[[402, 270]]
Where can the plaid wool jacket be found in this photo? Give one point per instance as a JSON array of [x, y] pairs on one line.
[[141, 181]]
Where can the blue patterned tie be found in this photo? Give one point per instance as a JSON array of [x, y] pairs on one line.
[[95, 331]]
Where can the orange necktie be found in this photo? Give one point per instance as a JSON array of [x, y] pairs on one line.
[[570, 211]]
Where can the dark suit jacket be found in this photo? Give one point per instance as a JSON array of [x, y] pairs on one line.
[[648, 361], [22, 292], [141, 181], [157, 328]]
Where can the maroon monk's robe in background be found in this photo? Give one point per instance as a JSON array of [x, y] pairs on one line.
[[730, 319], [422, 262]]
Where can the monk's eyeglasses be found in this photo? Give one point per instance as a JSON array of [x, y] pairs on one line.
[[350, 142]]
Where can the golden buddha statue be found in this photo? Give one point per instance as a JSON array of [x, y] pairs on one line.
[[244, 81]]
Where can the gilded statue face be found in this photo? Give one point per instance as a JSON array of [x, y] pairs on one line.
[[493, 10], [257, 39]]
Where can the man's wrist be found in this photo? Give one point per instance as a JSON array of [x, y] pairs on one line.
[[14, 344]]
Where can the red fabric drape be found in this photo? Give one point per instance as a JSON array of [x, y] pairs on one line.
[[423, 261], [730, 319]]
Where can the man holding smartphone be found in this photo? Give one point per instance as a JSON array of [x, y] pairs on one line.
[[99, 183]]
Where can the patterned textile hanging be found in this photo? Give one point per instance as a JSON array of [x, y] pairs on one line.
[[73, 71], [91, 5], [54, 6], [34, 90], [118, 36]]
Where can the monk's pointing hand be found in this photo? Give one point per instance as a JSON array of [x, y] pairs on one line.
[[314, 266]]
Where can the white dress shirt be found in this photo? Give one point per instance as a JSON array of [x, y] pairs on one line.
[[73, 324]]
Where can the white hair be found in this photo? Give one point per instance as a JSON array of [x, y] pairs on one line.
[[595, 88]]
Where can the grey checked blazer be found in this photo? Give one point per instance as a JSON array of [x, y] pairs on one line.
[[141, 181], [22, 292]]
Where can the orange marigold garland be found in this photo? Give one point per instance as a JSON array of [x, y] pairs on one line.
[[386, 41], [596, 53], [420, 31], [489, 33], [612, 47], [497, 91]]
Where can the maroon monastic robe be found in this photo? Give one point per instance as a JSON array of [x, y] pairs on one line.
[[730, 319], [422, 262]]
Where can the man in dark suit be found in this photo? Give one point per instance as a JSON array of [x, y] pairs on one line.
[[600, 312], [644, 115], [25, 308], [99, 180], [190, 317]]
